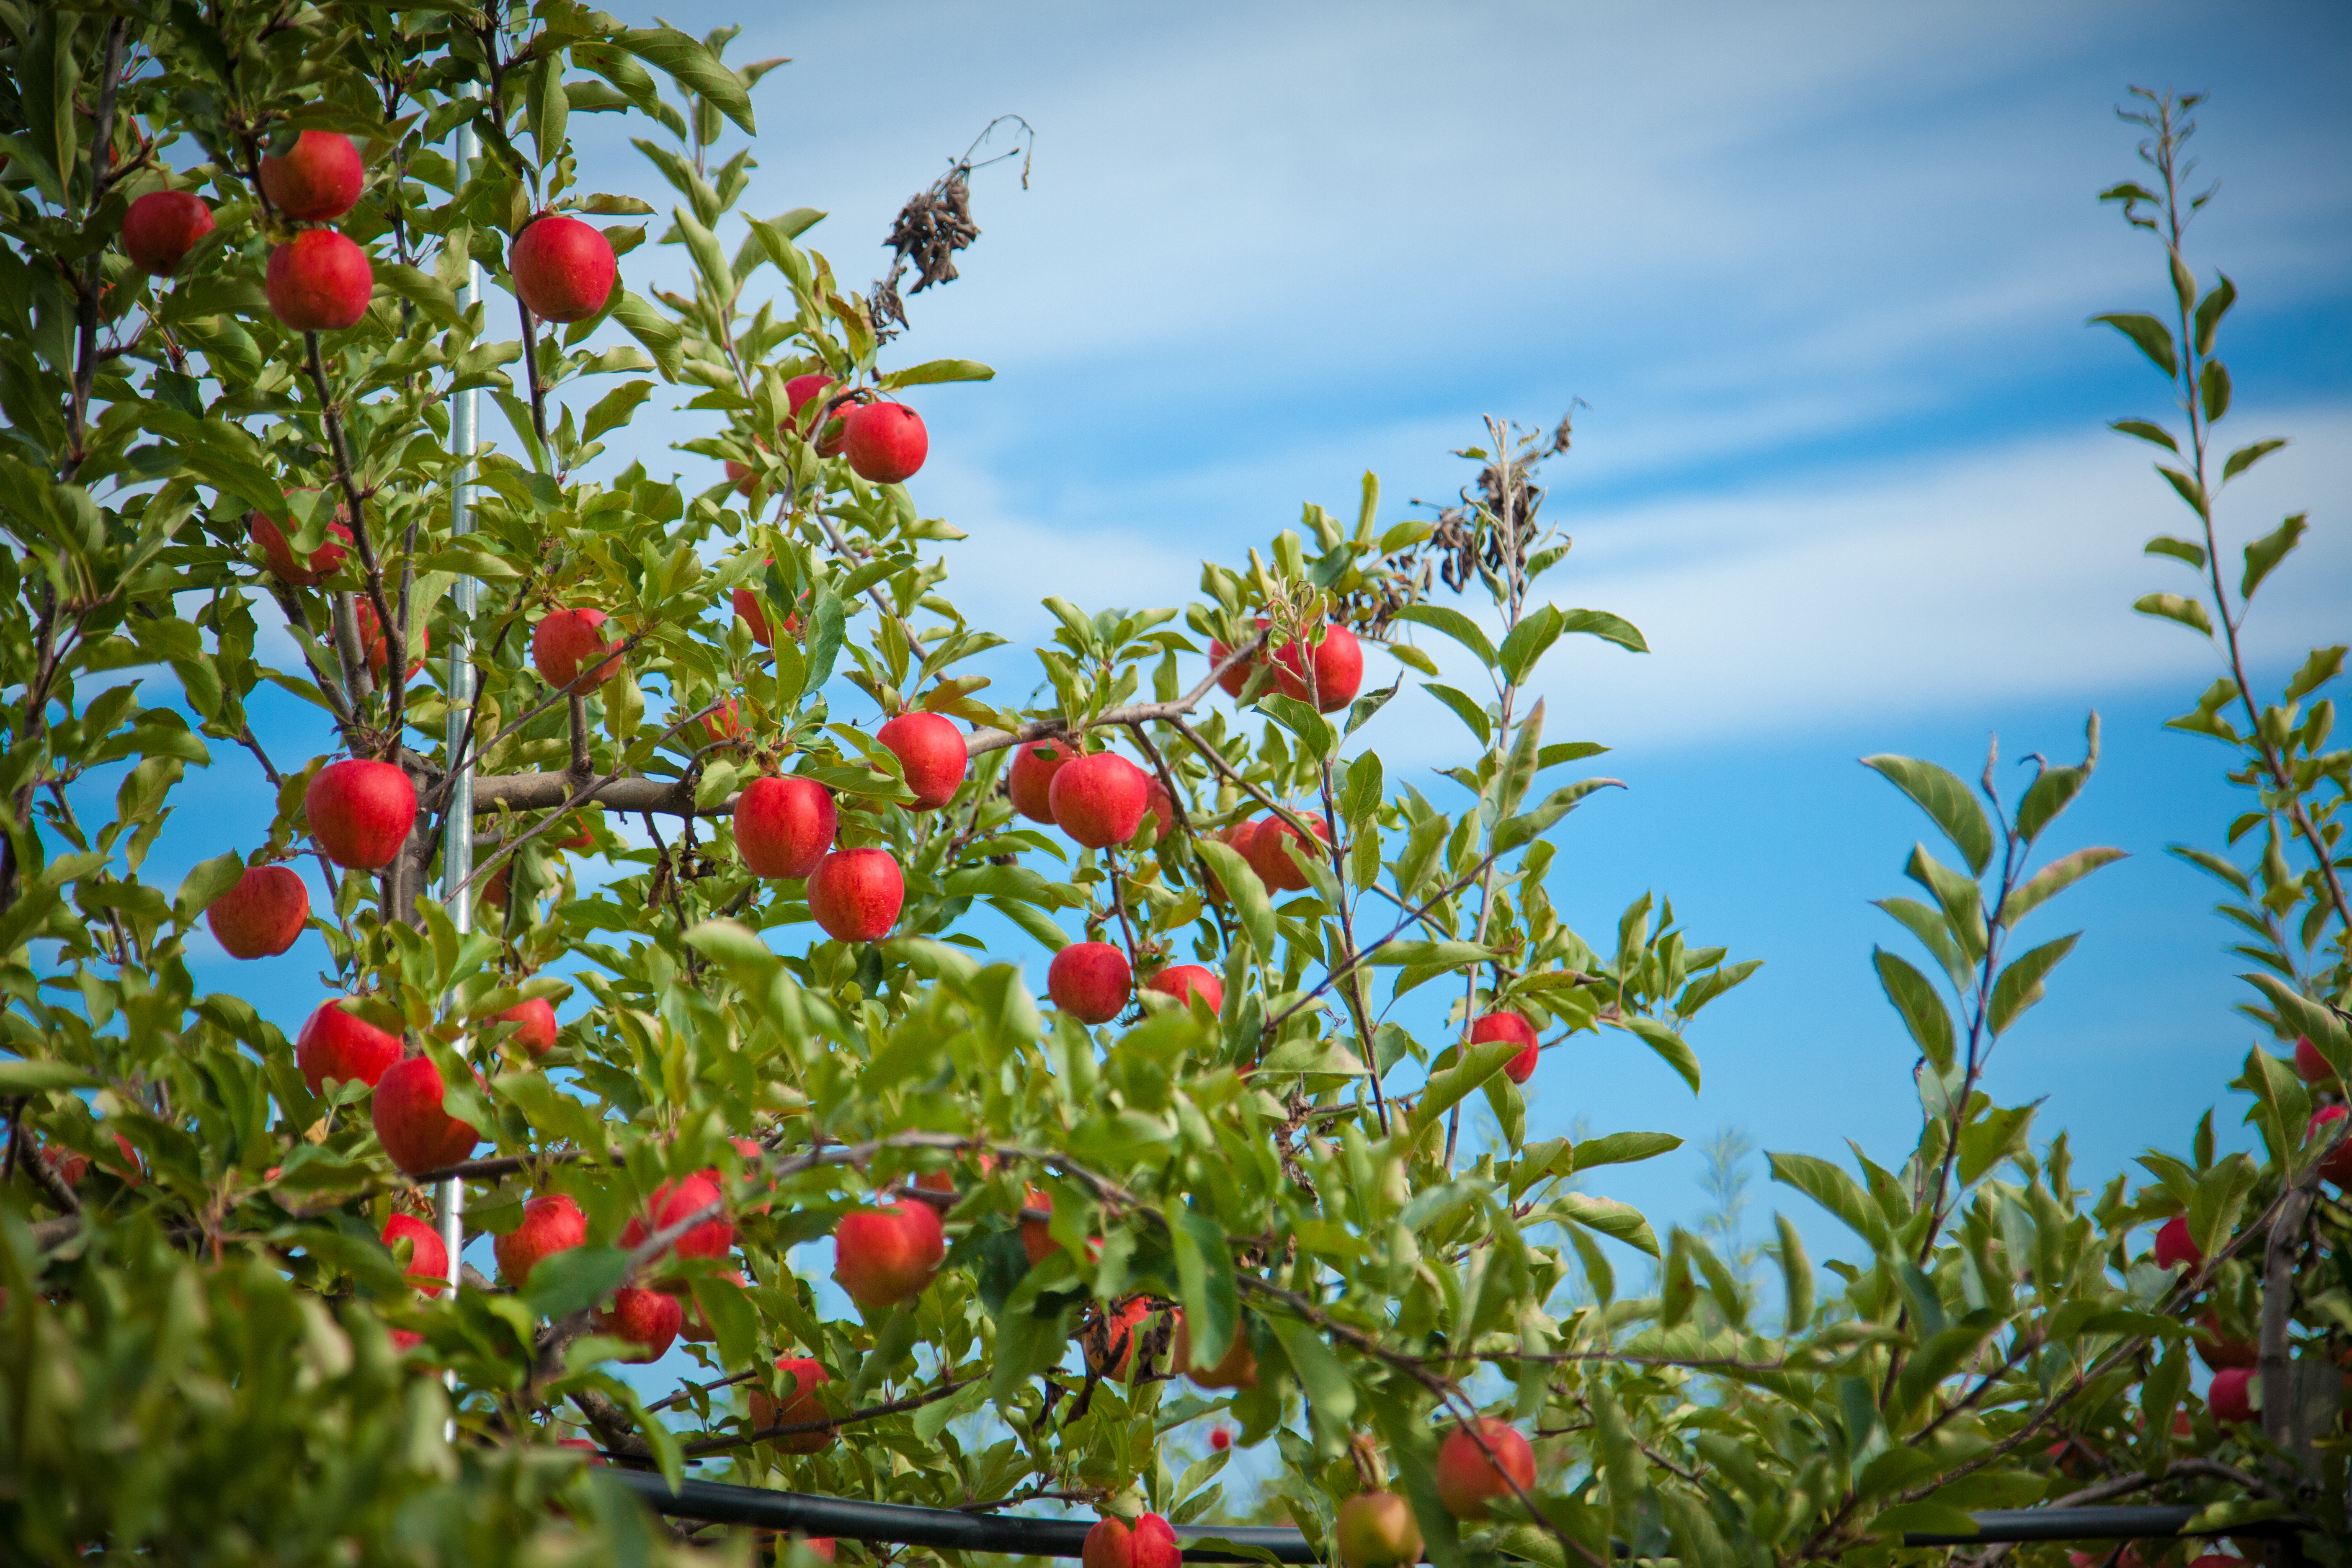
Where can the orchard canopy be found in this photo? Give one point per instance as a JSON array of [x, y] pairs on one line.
[[684, 865]]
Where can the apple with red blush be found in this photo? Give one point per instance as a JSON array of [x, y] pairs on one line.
[[261, 912], [1098, 799], [161, 228], [784, 826], [800, 1406], [410, 1122], [551, 1223], [1091, 980], [931, 755], [886, 1255], [337, 1044], [318, 281], [563, 269], [854, 895], [315, 178], [573, 651], [360, 812]]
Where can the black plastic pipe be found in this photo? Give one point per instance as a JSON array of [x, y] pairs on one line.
[[719, 1503]]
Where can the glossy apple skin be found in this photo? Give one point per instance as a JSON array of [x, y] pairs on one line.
[[678, 1200], [262, 914], [278, 552], [318, 281], [784, 826], [1237, 1368], [647, 1319], [1030, 779], [1467, 1480], [930, 751], [835, 429], [2231, 1396], [2336, 1169], [1161, 807], [1265, 855], [1517, 1029], [1377, 1530], [856, 894], [551, 1223], [886, 1255], [161, 226], [803, 1406], [2174, 1244], [755, 615], [318, 180], [1234, 680], [1152, 1543], [1100, 800], [535, 1019], [884, 442], [428, 1257], [379, 654], [335, 1044], [410, 1124], [1338, 668], [563, 269], [565, 648], [1091, 980], [360, 812], [1186, 981]]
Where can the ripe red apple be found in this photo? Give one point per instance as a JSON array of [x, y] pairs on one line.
[[318, 281], [162, 227], [336, 1044], [361, 812], [886, 1255], [784, 826], [1509, 1027], [410, 1124], [1234, 680], [2218, 1351], [1220, 1438], [379, 654], [278, 552], [801, 389], [1150, 1544], [1036, 1234], [678, 1200], [930, 753], [802, 1405], [884, 442], [406, 1340], [2336, 1169], [2175, 1246], [1266, 857], [1467, 1480], [1091, 980], [1237, 1368], [261, 913], [1030, 779], [2235, 1395], [724, 722], [748, 605], [551, 1223], [855, 894], [581, 837], [647, 1318], [566, 648], [1186, 981], [428, 1256], [1337, 671], [1099, 799], [1161, 807], [318, 178], [563, 269], [2310, 1063], [536, 1018], [1377, 1530]]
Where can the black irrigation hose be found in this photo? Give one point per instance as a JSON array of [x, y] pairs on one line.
[[947, 1530]]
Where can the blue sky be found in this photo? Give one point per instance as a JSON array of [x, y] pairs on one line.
[[1819, 274]]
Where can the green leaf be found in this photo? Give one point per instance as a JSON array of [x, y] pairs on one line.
[[1453, 624], [1796, 1278], [37, 1077], [2189, 613], [204, 883], [1607, 627], [2155, 434], [1526, 644], [662, 337], [2245, 458], [2150, 335], [1923, 1010], [1834, 1191], [1671, 1047], [1464, 709], [564, 1282], [1926, 923], [2054, 789], [2211, 310], [2265, 553], [1944, 799], [932, 372], [2053, 878], [1528, 826], [613, 409], [1448, 1087], [2213, 389], [694, 67], [1205, 1276], [1249, 894], [1431, 955], [1620, 1221], [2019, 986], [2179, 549], [1623, 1148]]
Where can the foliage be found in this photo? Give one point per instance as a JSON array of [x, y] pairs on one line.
[[215, 1304]]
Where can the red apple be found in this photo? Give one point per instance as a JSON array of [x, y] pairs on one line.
[[581, 837], [2218, 1351], [2174, 1246], [71, 1164], [930, 751], [1036, 1234], [551, 1223], [697, 1328], [337, 1044], [1337, 671], [724, 722], [855, 894], [1268, 858], [1237, 1368], [410, 1124], [1099, 799], [743, 476], [278, 552], [406, 1340], [318, 179], [1150, 1544], [2337, 1167], [428, 1256], [161, 226], [1509, 1027], [802, 1405], [361, 812], [420, 640], [318, 281], [801, 389], [748, 605], [886, 1255], [2234, 1396], [1377, 1530], [563, 269], [884, 442], [1091, 980], [2310, 1063], [596, 1455], [1186, 981], [261, 913], [1030, 779], [784, 826], [567, 645], [536, 1018], [647, 1318], [1234, 680], [821, 1545], [1161, 807], [1467, 1480], [678, 1200]]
